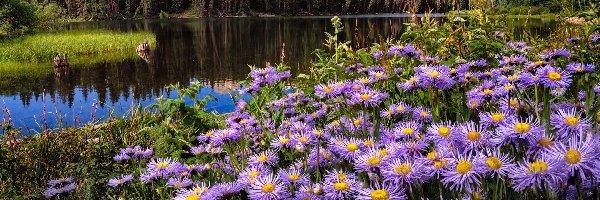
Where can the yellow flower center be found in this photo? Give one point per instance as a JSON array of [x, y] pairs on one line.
[[412, 80], [253, 174], [193, 197], [444, 131], [509, 87], [244, 121], [399, 109], [538, 166], [357, 122], [352, 147], [514, 103], [571, 120], [408, 131], [378, 74], [369, 143], [267, 188], [463, 166], [476, 195], [431, 155], [162, 165], [579, 69], [356, 87], [522, 127], [383, 152], [326, 155], [497, 117], [328, 89], [365, 96], [318, 133], [487, 91], [303, 139], [403, 169], [434, 74], [294, 177], [572, 156], [539, 62], [452, 70], [380, 195], [440, 163], [553, 76], [341, 177], [339, 186], [493, 163], [284, 141], [373, 161], [545, 142], [209, 133], [424, 114], [263, 158], [473, 136], [364, 80]]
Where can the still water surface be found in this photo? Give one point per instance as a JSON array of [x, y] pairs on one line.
[[214, 51]]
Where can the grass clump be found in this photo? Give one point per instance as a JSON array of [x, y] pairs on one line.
[[40, 48]]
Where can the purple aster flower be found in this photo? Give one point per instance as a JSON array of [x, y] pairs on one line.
[[121, 157], [555, 53], [377, 54], [441, 132], [59, 181], [515, 129], [206, 136], [429, 59], [569, 122], [594, 38], [347, 148], [463, 174], [339, 184], [265, 158], [120, 181], [494, 118], [474, 136], [249, 175], [377, 74], [180, 182], [512, 60], [267, 187], [573, 40], [541, 172], [580, 67], [495, 163], [421, 114], [578, 156], [380, 192], [557, 92], [409, 129], [532, 66], [519, 46], [398, 70], [367, 97], [293, 176], [197, 150], [199, 191], [553, 77], [405, 172], [327, 90], [473, 103], [370, 161]]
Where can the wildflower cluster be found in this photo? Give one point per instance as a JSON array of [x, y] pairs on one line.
[[400, 125], [60, 186]]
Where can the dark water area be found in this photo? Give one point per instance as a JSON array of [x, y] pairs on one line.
[[214, 51]]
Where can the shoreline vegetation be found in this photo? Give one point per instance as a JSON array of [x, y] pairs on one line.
[[414, 118], [83, 47]]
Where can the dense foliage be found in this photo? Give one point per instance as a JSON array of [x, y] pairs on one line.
[[127, 9]]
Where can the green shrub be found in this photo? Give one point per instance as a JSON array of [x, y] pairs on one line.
[[16, 17], [50, 16]]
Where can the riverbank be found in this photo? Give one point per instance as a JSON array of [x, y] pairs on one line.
[[81, 46]]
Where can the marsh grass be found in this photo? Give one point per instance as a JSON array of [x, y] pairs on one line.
[[41, 47]]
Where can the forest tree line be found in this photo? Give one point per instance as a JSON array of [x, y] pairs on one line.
[[128, 9], [20, 16]]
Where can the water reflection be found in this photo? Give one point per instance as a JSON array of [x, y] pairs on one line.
[[213, 50]]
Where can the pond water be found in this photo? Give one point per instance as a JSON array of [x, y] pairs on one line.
[[214, 51]]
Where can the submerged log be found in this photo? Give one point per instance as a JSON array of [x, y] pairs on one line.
[[61, 62], [143, 50]]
